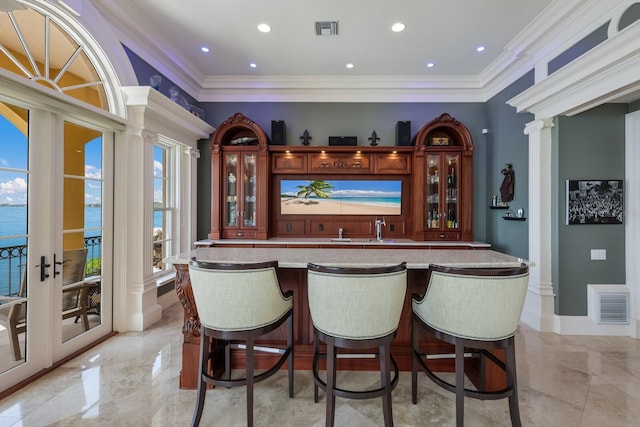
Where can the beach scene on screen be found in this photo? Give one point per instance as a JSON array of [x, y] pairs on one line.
[[340, 197]]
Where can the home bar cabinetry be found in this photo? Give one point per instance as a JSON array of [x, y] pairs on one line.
[[433, 182]]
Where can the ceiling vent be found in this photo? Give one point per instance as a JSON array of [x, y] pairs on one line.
[[326, 28]]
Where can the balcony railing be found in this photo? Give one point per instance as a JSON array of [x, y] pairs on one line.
[[14, 258]]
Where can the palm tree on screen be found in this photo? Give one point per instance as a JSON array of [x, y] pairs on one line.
[[319, 188]]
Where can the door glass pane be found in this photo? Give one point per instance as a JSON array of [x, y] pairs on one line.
[[82, 230], [231, 190], [432, 195], [249, 190], [14, 179], [453, 163]]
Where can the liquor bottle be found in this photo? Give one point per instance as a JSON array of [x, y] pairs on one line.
[[232, 184], [453, 176], [429, 219]]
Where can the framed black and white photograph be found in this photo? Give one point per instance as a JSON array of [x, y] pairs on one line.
[[592, 201]]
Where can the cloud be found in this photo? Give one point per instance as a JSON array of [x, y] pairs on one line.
[[13, 192], [17, 185], [157, 168], [92, 198], [91, 171]]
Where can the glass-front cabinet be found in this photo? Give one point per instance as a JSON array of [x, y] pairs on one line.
[[239, 180], [443, 186], [240, 190], [442, 208]]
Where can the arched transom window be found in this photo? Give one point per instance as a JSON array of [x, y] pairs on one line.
[[33, 45]]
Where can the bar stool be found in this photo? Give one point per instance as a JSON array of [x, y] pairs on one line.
[[477, 310], [239, 302], [357, 309]]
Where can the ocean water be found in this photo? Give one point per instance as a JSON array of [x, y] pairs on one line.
[[13, 223], [380, 201]]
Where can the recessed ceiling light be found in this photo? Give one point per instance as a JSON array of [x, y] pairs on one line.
[[264, 28], [397, 27], [430, 65], [253, 65], [349, 65], [204, 49], [480, 49]]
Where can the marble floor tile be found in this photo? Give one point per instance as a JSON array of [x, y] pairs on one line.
[[132, 380]]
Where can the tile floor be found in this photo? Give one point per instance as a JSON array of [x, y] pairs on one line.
[[132, 380]]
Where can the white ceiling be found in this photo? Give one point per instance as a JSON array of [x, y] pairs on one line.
[[443, 32]]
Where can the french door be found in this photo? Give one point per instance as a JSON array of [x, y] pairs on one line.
[[56, 210]]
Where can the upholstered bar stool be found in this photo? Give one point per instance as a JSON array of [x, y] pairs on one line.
[[357, 309], [239, 302], [477, 310]]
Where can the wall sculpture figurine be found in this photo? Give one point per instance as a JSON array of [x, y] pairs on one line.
[[507, 189]]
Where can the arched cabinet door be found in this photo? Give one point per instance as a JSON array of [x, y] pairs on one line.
[[239, 180], [442, 181]]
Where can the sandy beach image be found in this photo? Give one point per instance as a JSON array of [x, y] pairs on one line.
[[297, 206], [340, 197]]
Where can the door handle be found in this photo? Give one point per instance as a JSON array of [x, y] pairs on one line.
[[55, 262], [43, 268]]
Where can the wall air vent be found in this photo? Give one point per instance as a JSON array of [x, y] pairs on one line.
[[326, 28], [613, 308], [608, 304]]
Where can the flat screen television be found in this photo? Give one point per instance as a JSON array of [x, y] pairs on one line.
[[340, 197]]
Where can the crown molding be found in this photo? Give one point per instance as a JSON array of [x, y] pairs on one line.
[[152, 50], [162, 113], [606, 73], [341, 89]]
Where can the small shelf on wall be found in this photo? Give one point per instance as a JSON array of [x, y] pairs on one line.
[[514, 218], [499, 207]]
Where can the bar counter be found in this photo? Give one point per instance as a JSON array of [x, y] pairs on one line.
[[292, 263]]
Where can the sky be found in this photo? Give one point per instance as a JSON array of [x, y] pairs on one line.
[[14, 161], [349, 188]]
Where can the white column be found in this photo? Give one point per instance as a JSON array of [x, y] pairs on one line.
[[189, 192], [632, 217], [539, 305], [136, 303]]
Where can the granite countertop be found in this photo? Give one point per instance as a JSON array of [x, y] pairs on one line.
[[345, 242], [299, 257]]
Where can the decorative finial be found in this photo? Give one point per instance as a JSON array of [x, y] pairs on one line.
[[374, 139], [305, 138]]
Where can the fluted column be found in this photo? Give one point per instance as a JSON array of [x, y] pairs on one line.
[[539, 305]]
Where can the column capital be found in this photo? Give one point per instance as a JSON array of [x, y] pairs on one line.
[[538, 125], [149, 137], [192, 152]]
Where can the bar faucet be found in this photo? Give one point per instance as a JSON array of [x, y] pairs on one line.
[[379, 224], [340, 230]]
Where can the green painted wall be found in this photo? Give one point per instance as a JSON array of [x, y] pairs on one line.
[[507, 143], [590, 145]]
